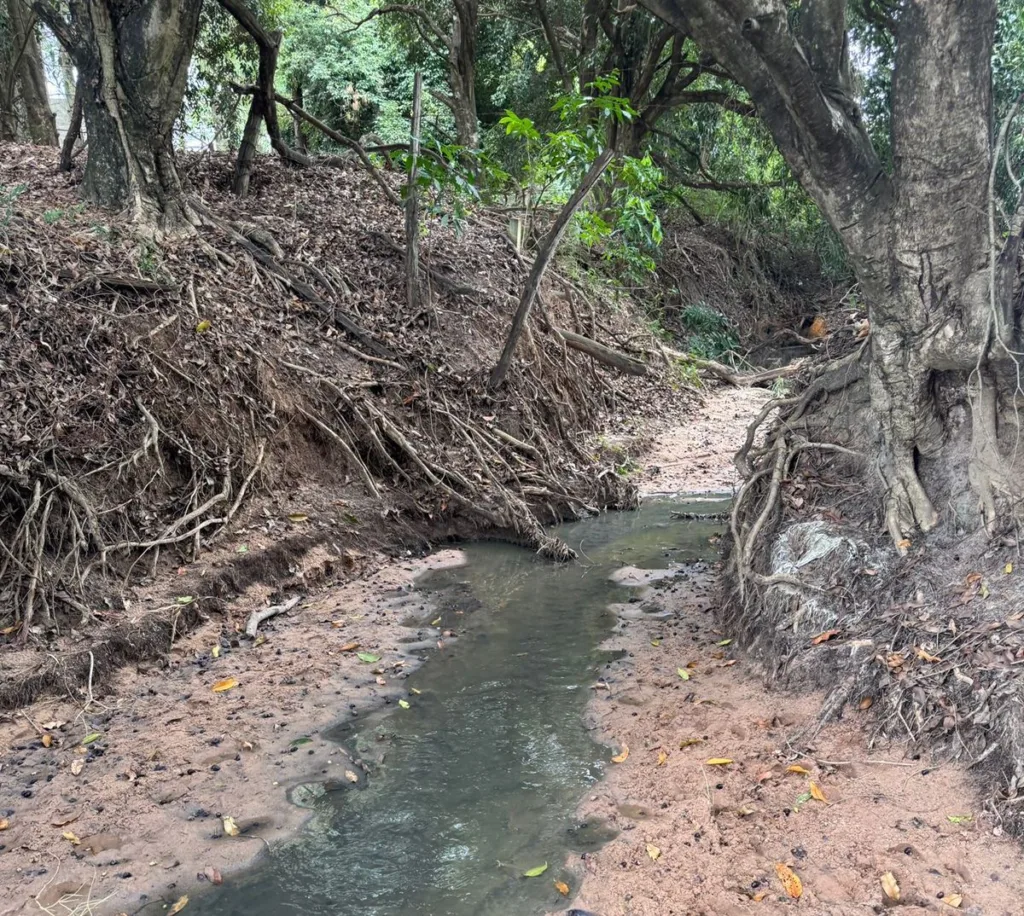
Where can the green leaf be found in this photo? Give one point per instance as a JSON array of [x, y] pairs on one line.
[[88, 739], [536, 872], [204, 326], [683, 673], [959, 818], [724, 642], [184, 599], [242, 548], [803, 798], [298, 742], [367, 657], [404, 704]]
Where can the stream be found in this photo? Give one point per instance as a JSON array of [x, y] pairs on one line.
[[478, 780]]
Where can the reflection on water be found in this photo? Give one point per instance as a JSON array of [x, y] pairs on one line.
[[478, 780]]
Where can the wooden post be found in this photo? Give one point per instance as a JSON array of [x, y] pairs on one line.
[[540, 265], [412, 221]]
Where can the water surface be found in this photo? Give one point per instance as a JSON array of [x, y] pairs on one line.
[[478, 781]]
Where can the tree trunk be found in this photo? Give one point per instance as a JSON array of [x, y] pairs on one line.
[[39, 121], [67, 151], [462, 73], [922, 241], [133, 59]]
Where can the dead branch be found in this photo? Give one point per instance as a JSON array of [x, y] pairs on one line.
[[264, 614]]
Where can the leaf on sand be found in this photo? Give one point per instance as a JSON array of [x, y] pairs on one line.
[[890, 886], [689, 742], [792, 884], [683, 673], [655, 643], [959, 818], [662, 758], [562, 888], [865, 703], [226, 684], [724, 642], [816, 793], [215, 652], [184, 599], [926, 656], [47, 740], [653, 852], [436, 622], [381, 682], [298, 517], [350, 776], [1007, 569], [414, 691], [88, 739], [350, 647], [759, 896], [536, 872], [621, 758], [824, 637], [213, 875], [796, 768], [4, 823], [954, 900], [179, 905], [230, 827], [404, 704], [367, 657], [71, 838], [719, 761], [77, 766]]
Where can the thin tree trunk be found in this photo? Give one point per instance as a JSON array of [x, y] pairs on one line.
[[39, 120], [555, 45], [412, 221], [540, 265], [67, 151], [298, 134]]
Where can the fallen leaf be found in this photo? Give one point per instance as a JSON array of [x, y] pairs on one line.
[[719, 761], [746, 811], [226, 684], [215, 652], [865, 703], [621, 758], [213, 875], [689, 742], [796, 768], [305, 739], [230, 827], [927, 656], [903, 544], [71, 838], [88, 739], [179, 905], [350, 647], [953, 900], [298, 517], [413, 690], [655, 643], [789, 879], [436, 622], [890, 887], [984, 590], [683, 673], [77, 766], [381, 682], [1007, 569], [367, 657], [47, 740], [802, 799], [959, 818], [536, 872], [816, 793], [728, 664], [562, 888], [204, 326], [62, 820], [759, 896], [184, 599], [662, 758], [824, 637], [4, 823], [653, 852], [404, 704], [350, 776], [973, 578], [724, 642], [242, 548]]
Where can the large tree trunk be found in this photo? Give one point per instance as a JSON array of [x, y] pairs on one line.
[[39, 122], [132, 58], [920, 241], [462, 73]]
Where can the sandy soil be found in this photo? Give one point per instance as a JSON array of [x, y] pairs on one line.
[[703, 839], [134, 816], [697, 457]]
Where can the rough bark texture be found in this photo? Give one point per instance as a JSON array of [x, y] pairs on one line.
[[462, 72], [67, 151], [132, 59], [919, 240], [40, 126]]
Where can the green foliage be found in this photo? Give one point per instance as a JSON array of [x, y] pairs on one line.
[[709, 334], [8, 197]]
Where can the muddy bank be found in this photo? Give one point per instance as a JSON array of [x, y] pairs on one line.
[[119, 800]]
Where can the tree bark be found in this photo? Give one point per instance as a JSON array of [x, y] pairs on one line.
[[462, 73], [40, 126], [540, 265], [412, 216], [133, 59], [67, 152]]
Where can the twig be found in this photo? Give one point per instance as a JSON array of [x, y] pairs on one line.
[[258, 617]]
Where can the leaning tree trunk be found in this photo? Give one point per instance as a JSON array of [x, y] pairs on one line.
[[132, 58], [922, 241], [39, 122]]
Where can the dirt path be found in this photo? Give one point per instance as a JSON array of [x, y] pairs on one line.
[[704, 839]]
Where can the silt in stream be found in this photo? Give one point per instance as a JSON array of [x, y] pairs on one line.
[[478, 780]]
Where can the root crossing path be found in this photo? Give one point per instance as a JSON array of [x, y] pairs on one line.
[[864, 824]]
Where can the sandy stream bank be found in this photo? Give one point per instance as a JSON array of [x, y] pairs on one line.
[[135, 817]]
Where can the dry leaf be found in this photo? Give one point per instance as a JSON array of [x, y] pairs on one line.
[[719, 761], [77, 766], [889, 885], [621, 758], [927, 656], [689, 742], [746, 811], [179, 905], [230, 827], [824, 637], [865, 703], [350, 647], [903, 544], [662, 757], [562, 888], [954, 900], [973, 578], [759, 896], [298, 517], [215, 652], [47, 740], [350, 776], [789, 880], [71, 838], [213, 875], [226, 684], [796, 768], [817, 793], [381, 682], [653, 852], [4, 823]]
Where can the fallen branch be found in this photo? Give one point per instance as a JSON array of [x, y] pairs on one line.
[[258, 617], [603, 354], [738, 379]]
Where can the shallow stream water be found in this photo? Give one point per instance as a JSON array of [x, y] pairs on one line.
[[482, 774]]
